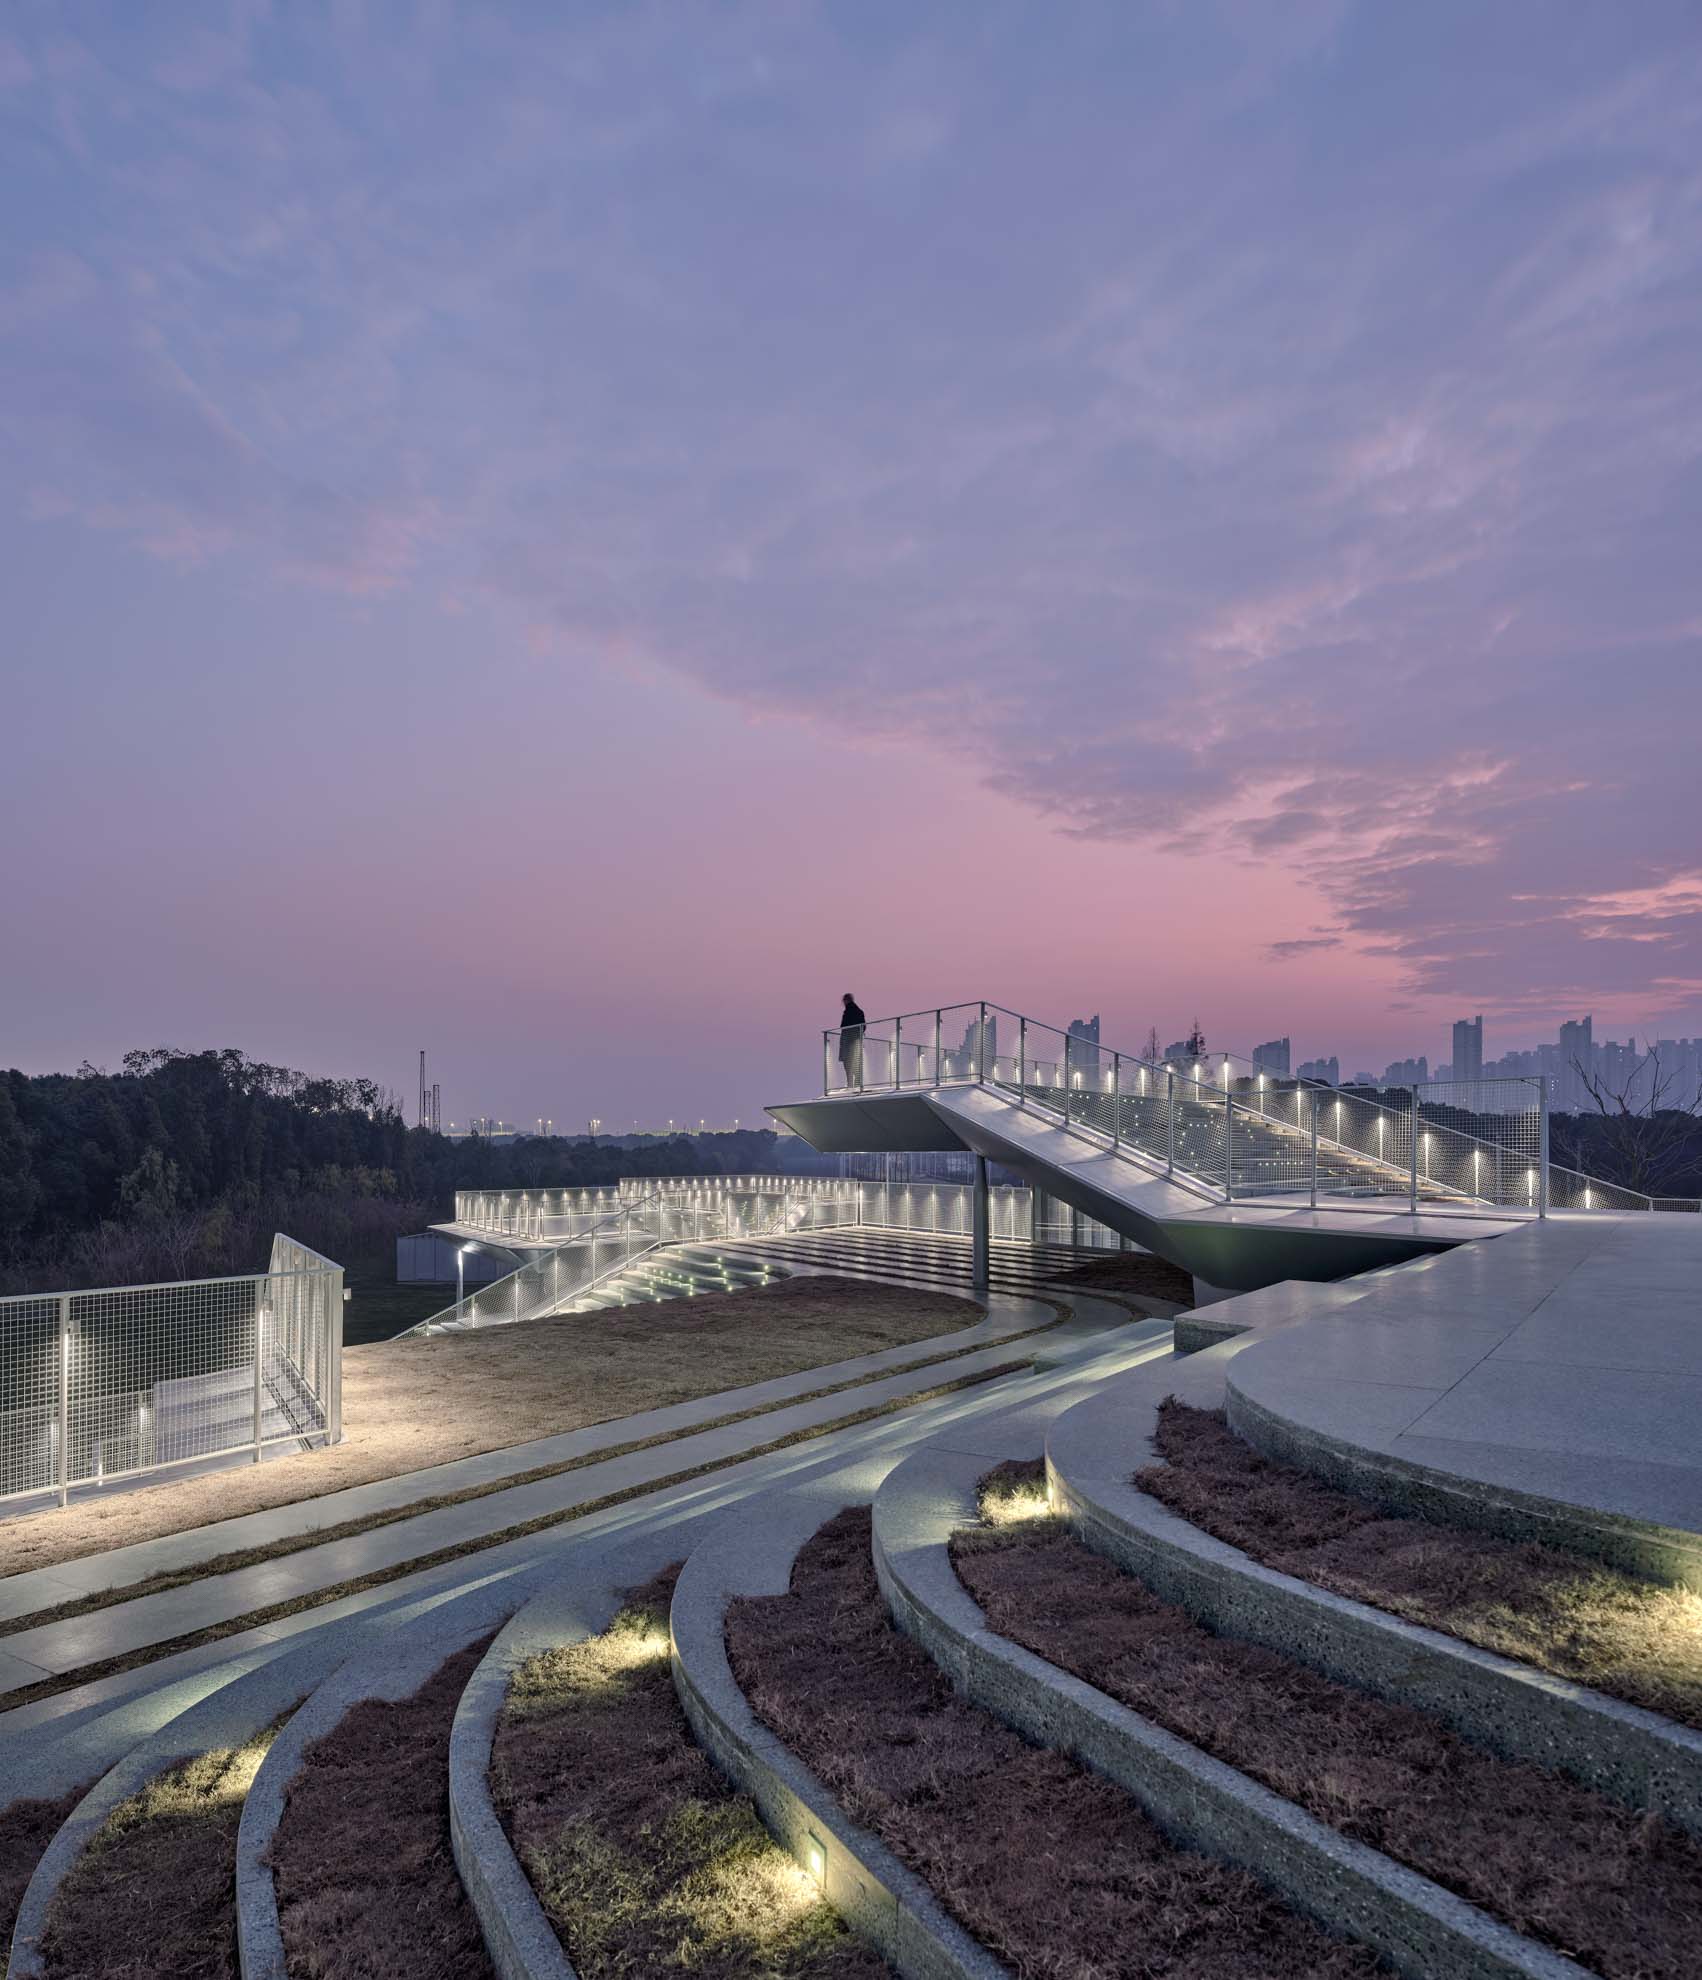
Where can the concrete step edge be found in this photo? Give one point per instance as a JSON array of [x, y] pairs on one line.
[[1353, 1890], [1093, 1450]]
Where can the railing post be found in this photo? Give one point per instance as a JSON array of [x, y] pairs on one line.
[[1412, 1166], [64, 1398], [897, 1052], [1022, 1060], [1314, 1148], [939, 1064], [1116, 1101], [826, 1063], [1169, 1121], [981, 1049], [334, 1371], [259, 1354], [1228, 1143], [1542, 1147]]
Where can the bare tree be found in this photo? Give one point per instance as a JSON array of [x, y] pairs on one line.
[[1648, 1125]]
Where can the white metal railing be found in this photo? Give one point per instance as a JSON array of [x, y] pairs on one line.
[[547, 1216], [709, 1209], [112, 1384], [671, 1210], [1226, 1129]]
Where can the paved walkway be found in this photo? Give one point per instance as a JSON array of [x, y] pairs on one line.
[[50, 1648], [119, 1567], [1560, 1364], [79, 1732]]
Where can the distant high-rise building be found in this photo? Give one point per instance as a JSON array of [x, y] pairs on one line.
[[1272, 1057], [1082, 1049], [1407, 1072], [977, 1054], [1468, 1047], [1577, 1065], [1327, 1072]]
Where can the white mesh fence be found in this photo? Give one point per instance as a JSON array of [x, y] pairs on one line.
[[110, 1384]]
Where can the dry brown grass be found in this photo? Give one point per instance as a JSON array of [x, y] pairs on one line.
[[1052, 1868], [412, 1403], [233, 1625], [26, 1828], [153, 1897], [644, 1858], [1132, 1271], [366, 1880], [1626, 1637], [1619, 1890]]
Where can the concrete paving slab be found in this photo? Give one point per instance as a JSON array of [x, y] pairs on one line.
[[118, 1567], [131, 1626], [1581, 1421], [1615, 1412]]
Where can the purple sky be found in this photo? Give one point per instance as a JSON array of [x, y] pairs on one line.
[[571, 535]]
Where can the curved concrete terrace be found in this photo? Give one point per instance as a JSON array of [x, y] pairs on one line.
[[1548, 1385]]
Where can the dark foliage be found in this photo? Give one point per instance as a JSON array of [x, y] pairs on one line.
[[184, 1163]]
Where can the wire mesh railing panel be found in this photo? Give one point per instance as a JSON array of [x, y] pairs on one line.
[[1567, 1190], [1143, 1110], [105, 1384], [163, 1374], [30, 1384]]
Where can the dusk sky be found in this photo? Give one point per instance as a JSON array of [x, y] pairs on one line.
[[570, 536]]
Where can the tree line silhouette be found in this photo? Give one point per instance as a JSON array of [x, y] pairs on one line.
[[182, 1164]]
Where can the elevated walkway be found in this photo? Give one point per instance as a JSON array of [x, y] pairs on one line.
[[1237, 1246]]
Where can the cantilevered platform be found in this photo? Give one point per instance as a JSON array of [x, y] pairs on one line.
[[1236, 1246]]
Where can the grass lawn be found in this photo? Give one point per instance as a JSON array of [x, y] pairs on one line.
[[379, 1309], [412, 1403]]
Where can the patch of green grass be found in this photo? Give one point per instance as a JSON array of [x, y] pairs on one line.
[[379, 1309]]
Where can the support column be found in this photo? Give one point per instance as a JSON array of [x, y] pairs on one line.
[[1040, 1209], [978, 1228]]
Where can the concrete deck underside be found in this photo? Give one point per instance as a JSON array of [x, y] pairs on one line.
[[1238, 1246]]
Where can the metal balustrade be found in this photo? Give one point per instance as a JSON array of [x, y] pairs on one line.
[[547, 1216], [671, 1210], [115, 1383], [1225, 1129]]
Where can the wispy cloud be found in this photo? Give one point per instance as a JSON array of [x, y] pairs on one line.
[[1270, 435]]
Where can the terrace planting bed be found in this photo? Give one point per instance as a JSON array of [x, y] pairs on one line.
[[1550, 1858], [366, 1883], [26, 1828], [153, 1897], [1596, 1625], [644, 1858], [1134, 1272], [1052, 1868], [416, 1402]]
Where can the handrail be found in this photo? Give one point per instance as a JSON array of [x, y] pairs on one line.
[[453, 1316], [1407, 1138]]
